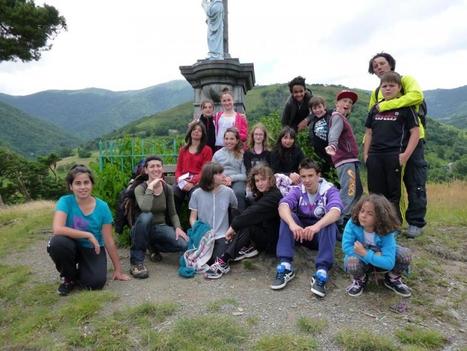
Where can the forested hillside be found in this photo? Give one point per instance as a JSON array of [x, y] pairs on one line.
[[90, 113], [30, 136], [446, 147], [448, 105]]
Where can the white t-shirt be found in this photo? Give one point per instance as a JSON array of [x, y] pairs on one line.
[[223, 124], [213, 207], [369, 238]]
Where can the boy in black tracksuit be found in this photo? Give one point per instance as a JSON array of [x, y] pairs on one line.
[[390, 139], [296, 108], [318, 122]]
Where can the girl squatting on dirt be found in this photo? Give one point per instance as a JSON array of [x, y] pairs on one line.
[[82, 228], [369, 242]]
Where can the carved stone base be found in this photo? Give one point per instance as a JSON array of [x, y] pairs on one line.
[[209, 77]]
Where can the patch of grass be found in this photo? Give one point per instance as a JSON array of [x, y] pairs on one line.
[[362, 340], [40, 295], [426, 272], [103, 334], [146, 313], [212, 332], [285, 342], [252, 321], [249, 265], [311, 325], [447, 203], [32, 324], [12, 280], [217, 305], [21, 221], [428, 338], [81, 307], [122, 330], [412, 348]]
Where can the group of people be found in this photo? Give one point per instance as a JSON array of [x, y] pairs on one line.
[[251, 198]]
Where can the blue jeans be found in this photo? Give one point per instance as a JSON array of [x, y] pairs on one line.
[[159, 236], [239, 189]]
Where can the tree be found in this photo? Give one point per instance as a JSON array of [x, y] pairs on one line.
[[26, 29], [51, 162]]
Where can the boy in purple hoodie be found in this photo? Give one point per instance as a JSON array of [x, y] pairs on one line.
[[308, 215], [343, 149]]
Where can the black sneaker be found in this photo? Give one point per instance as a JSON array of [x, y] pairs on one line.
[[246, 252], [66, 287], [283, 276], [396, 285], [139, 271], [217, 269], [318, 282], [357, 286], [154, 255]]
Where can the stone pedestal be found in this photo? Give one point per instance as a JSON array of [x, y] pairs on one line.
[[209, 77]]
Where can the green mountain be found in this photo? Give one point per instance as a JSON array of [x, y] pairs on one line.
[[448, 105], [260, 101], [445, 144], [30, 136], [90, 113]]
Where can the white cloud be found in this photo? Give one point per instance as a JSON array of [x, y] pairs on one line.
[[122, 45]]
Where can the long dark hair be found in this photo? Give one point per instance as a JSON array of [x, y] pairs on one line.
[[204, 137], [386, 219], [279, 148], [206, 181]]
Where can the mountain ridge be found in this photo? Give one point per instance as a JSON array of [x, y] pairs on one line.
[[30, 136], [94, 111]]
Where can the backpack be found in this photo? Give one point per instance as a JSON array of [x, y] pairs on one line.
[[422, 108], [127, 208]]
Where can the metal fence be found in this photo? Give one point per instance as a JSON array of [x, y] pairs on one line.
[[127, 152]]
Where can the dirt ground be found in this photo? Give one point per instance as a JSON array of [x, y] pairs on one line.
[[378, 309]]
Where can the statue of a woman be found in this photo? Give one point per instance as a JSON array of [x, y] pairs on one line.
[[215, 19]]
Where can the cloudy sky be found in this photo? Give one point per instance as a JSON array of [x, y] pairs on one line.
[[125, 45]]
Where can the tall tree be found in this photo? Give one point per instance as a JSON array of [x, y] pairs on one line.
[[26, 29]]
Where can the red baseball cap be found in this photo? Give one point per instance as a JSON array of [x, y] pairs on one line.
[[347, 94]]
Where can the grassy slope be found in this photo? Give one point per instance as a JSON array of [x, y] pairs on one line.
[[83, 321], [28, 135]]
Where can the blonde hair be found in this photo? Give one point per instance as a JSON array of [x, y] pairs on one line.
[[251, 140]]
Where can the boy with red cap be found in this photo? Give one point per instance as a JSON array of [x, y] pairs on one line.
[[343, 149]]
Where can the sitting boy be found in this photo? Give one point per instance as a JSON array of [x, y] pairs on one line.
[[308, 215]]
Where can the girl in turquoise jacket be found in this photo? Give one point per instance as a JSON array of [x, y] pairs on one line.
[[369, 241]]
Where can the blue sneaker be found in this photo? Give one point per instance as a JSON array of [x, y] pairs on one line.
[[283, 276], [318, 282]]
